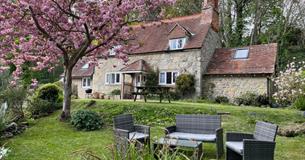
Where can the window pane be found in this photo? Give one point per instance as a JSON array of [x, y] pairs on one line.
[[175, 75], [88, 82], [241, 54], [112, 78], [162, 77], [107, 78], [118, 78], [179, 43], [84, 82], [168, 77]]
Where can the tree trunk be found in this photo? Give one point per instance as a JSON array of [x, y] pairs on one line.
[[239, 25], [65, 115], [257, 23]]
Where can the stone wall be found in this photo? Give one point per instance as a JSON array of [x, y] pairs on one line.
[[234, 86], [211, 42], [192, 61], [80, 90], [187, 61]]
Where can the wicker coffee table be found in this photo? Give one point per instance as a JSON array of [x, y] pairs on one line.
[[175, 143]]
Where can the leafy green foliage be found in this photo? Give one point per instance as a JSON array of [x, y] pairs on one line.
[[185, 84], [183, 8], [15, 98], [299, 103], [86, 120], [47, 99], [221, 99], [39, 107], [50, 92], [152, 79], [116, 92], [252, 99]]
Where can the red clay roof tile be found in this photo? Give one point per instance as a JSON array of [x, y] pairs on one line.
[[154, 36], [261, 60]]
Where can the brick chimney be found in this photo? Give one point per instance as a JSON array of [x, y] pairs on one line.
[[210, 13]]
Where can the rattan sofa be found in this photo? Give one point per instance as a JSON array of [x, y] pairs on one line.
[[257, 146], [205, 128]]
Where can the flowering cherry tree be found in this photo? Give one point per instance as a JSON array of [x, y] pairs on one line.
[[290, 83], [65, 32]]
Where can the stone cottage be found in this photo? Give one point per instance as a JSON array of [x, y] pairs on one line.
[[180, 45]]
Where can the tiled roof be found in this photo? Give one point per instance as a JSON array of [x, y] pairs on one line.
[[79, 72], [154, 36], [139, 65], [261, 60]]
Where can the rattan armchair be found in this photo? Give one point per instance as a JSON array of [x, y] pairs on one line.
[[124, 127], [257, 146]]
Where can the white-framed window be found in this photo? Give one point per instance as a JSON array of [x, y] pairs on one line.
[[86, 82], [113, 78], [168, 78], [178, 43], [85, 66], [241, 54], [112, 51]]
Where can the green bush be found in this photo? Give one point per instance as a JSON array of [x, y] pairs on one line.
[[116, 92], [86, 120], [50, 92], [262, 100], [221, 99], [299, 103], [60, 84], [152, 80], [185, 84], [251, 99], [39, 107], [47, 99], [15, 98]]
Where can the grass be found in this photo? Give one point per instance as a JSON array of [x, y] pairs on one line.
[[50, 139]]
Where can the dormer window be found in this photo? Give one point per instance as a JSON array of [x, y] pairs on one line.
[[86, 66], [112, 51], [178, 43], [241, 54]]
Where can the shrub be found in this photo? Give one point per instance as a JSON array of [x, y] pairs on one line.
[[221, 99], [86, 120], [152, 79], [185, 84], [15, 98], [46, 100], [252, 99], [262, 100], [39, 107], [60, 84], [299, 103], [50, 92], [116, 92], [290, 83]]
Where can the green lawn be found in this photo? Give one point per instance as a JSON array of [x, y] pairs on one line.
[[49, 139]]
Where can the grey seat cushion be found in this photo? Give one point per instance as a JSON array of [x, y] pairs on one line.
[[193, 136], [236, 146], [137, 135]]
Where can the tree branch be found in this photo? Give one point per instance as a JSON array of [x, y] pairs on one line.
[[43, 31], [64, 11]]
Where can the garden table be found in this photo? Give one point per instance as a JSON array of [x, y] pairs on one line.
[[178, 143], [160, 90]]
